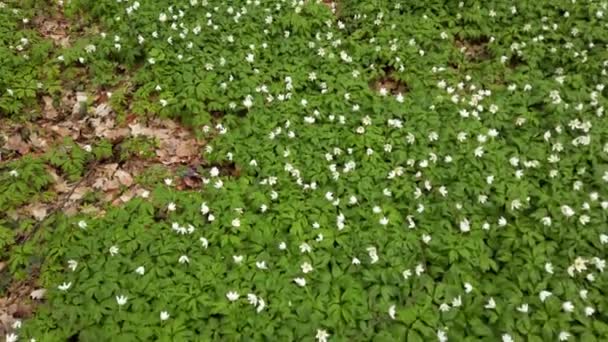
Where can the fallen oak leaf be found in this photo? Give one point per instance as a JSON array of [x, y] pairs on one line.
[[6, 321], [126, 197], [39, 211], [78, 193], [186, 148], [38, 142], [38, 294], [49, 110], [116, 134], [16, 143], [61, 131], [109, 185], [102, 110], [124, 177]]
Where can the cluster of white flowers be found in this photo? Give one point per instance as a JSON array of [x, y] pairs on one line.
[[176, 227], [256, 301]]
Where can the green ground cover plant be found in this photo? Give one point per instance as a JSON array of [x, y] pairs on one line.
[[24, 72], [386, 170]]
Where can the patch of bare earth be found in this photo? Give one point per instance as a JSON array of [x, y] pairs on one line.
[[60, 118], [53, 26], [18, 302], [474, 49], [112, 180], [389, 83], [176, 146], [86, 121]]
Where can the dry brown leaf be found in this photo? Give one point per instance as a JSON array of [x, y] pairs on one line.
[[124, 177], [71, 211], [109, 169], [62, 131], [68, 99], [16, 143], [159, 133], [53, 174], [105, 128], [143, 193], [79, 193], [168, 123], [162, 154], [53, 27], [49, 110], [91, 210], [192, 181], [186, 148], [102, 110], [6, 321], [61, 186], [110, 185], [136, 129], [2, 265], [176, 145], [109, 196], [38, 142], [99, 183], [63, 41], [96, 123], [128, 195], [115, 134], [38, 210], [38, 294]]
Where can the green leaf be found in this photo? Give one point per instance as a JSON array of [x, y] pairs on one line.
[[407, 315]]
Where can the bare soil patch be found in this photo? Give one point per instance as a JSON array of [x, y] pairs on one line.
[[474, 49], [389, 83], [19, 300], [53, 26]]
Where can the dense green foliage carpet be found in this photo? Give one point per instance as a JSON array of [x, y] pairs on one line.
[[408, 171]]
